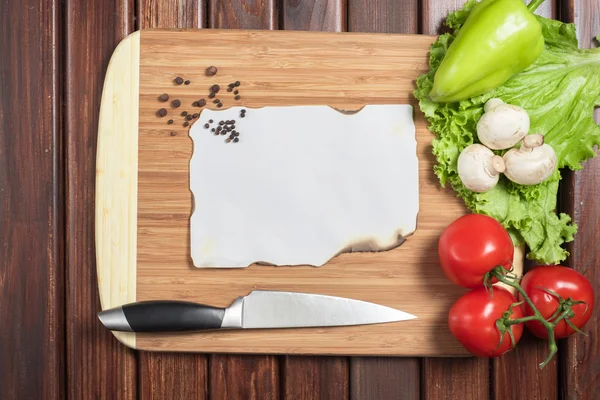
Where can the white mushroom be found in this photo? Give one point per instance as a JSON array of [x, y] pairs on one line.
[[532, 163], [503, 125], [478, 168]]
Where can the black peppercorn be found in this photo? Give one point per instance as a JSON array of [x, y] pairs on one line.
[[183, 113], [176, 103], [237, 83], [187, 82], [173, 133], [189, 117], [201, 103], [211, 71], [220, 105], [236, 139], [238, 97], [179, 80], [163, 97], [206, 126], [216, 101], [236, 92], [215, 88], [162, 112], [186, 123], [211, 95], [170, 121], [229, 89], [196, 115], [210, 121]]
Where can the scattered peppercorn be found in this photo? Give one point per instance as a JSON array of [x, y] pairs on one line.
[[211, 95], [215, 88], [227, 140], [196, 115], [179, 80], [213, 130], [186, 123], [176, 103], [206, 126], [231, 85], [173, 133], [216, 101], [189, 117], [221, 122], [236, 92], [238, 97], [187, 82], [223, 132], [163, 97], [236, 139], [220, 105], [237, 83], [195, 104], [162, 112], [210, 121], [170, 121], [201, 103], [229, 89], [211, 71], [183, 113]]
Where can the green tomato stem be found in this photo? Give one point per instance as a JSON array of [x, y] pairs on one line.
[[521, 320], [534, 5], [501, 274]]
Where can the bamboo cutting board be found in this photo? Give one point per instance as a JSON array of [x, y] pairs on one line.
[[143, 200]]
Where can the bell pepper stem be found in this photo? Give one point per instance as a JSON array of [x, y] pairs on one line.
[[534, 5]]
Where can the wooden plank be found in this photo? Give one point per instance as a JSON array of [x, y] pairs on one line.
[[377, 377], [32, 364], [235, 377], [466, 378], [373, 378], [172, 375], [530, 381], [314, 15], [243, 377], [240, 14], [171, 14], [384, 16], [98, 365], [315, 378], [455, 378], [580, 355]]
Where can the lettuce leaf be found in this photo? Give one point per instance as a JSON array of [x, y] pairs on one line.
[[559, 91]]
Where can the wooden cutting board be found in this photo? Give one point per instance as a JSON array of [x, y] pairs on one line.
[[143, 200]]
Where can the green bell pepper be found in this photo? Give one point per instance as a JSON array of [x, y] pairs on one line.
[[499, 39]]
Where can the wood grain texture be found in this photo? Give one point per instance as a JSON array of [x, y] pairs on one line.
[[383, 16], [171, 13], [314, 15], [452, 378], [32, 364], [237, 377], [172, 376], [580, 355], [315, 378], [373, 378], [243, 14], [98, 366], [405, 278]]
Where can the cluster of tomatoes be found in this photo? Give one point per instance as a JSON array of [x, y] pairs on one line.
[[552, 302]]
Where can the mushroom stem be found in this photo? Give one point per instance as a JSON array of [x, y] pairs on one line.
[[497, 166], [491, 104], [532, 141]]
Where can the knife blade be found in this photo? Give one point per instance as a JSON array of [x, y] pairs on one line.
[[258, 310]]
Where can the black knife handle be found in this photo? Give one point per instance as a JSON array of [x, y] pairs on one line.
[[172, 316]]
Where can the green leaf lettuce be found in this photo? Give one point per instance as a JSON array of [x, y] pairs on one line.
[[559, 92]]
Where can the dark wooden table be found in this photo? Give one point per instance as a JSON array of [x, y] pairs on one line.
[[53, 56]]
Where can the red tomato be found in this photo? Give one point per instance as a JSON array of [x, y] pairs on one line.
[[471, 246], [473, 317], [567, 283]]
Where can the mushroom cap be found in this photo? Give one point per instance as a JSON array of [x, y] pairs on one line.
[[530, 166], [503, 126], [479, 169]]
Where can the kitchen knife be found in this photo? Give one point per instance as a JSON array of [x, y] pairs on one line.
[[260, 309]]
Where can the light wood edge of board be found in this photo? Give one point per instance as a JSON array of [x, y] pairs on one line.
[[117, 180]]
